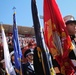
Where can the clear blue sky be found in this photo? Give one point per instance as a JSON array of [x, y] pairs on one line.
[[23, 10]]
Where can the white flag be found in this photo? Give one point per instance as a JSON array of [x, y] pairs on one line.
[[8, 65]]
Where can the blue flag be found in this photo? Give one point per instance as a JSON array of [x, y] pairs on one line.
[[17, 49]]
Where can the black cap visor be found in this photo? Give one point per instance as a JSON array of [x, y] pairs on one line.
[[70, 21]]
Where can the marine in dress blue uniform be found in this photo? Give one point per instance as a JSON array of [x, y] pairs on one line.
[[28, 68]]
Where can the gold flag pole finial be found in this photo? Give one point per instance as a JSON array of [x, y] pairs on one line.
[[1, 23]]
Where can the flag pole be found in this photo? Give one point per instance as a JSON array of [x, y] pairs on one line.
[[20, 72]]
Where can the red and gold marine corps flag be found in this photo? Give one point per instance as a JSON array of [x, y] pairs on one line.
[[56, 36]]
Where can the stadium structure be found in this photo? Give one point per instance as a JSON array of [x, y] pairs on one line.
[[23, 32]]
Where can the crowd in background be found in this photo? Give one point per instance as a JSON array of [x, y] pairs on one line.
[[24, 41]]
